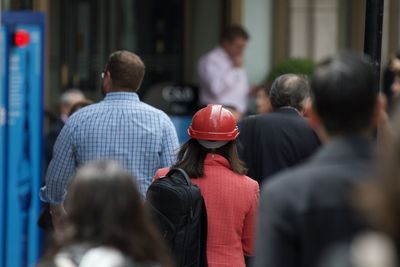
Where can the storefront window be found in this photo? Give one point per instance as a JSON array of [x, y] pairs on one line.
[[91, 29]]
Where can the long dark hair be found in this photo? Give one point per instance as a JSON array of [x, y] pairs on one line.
[[191, 158], [104, 207]]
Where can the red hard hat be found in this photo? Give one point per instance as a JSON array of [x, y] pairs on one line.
[[213, 123]]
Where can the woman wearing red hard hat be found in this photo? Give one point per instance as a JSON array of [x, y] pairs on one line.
[[210, 158]]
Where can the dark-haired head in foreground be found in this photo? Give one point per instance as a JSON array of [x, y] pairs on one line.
[[307, 211], [104, 208], [345, 101]]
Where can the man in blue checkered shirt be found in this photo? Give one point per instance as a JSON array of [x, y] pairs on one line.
[[121, 128]]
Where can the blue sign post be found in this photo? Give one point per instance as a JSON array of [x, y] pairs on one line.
[[21, 47], [3, 135]]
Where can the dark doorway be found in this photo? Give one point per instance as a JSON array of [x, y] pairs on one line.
[[91, 29]]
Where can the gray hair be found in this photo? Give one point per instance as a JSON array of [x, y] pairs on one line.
[[71, 96], [289, 90]]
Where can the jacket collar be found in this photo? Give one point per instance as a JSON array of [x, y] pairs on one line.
[[288, 110], [222, 53], [345, 148], [130, 96], [216, 160]]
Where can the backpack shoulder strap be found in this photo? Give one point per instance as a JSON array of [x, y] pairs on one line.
[[203, 235], [178, 172]]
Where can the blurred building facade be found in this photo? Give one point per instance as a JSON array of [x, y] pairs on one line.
[[170, 35]]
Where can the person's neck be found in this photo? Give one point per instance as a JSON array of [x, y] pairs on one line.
[[327, 137], [121, 90], [289, 108]]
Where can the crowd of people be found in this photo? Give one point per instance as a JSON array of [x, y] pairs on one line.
[[301, 184]]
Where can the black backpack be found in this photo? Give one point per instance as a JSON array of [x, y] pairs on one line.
[[178, 209]]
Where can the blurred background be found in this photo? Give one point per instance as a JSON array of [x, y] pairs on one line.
[[171, 35]]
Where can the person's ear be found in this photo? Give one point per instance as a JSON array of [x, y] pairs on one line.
[[380, 110], [306, 107], [315, 122], [106, 82], [313, 118]]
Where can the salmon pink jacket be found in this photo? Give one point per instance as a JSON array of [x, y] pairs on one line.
[[231, 200]]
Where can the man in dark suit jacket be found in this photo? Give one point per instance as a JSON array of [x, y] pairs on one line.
[[307, 210], [283, 138], [67, 100]]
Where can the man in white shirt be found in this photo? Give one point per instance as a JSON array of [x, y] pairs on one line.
[[223, 79]]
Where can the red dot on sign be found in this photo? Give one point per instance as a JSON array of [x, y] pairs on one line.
[[21, 38]]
